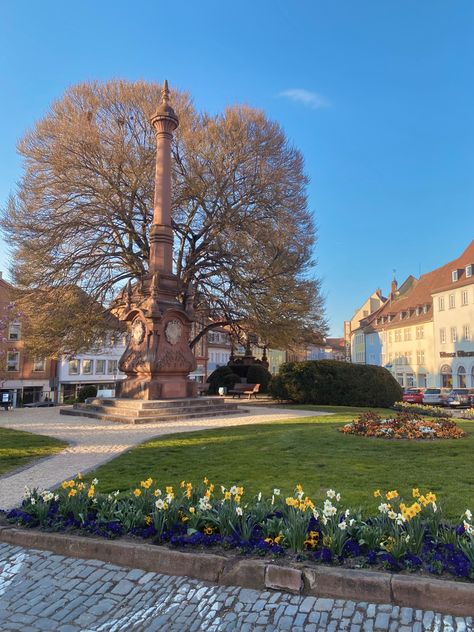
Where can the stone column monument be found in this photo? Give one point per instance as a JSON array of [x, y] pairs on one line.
[[158, 357]]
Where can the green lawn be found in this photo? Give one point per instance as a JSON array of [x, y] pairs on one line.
[[309, 451], [18, 448]]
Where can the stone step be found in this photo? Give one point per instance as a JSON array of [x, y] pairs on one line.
[[161, 412], [138, 404], [132, 419]]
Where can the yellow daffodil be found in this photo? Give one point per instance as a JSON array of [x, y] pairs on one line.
[[205, 480], [182, 483], [392, 494], [192, 510], [169, 490], [430, 497], [377, 493], [148, 520], [137, 492], [72, 492], [415, 492], [91, 491]]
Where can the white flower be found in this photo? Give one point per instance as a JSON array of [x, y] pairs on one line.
[[94, 501], [116, 493], [383, 508], [342, 525], [351, 522], [259, 496], [94, 481], [330, 493], [434, 506], [467, 513], [223, 489], [273, 500], [400, 519], [276, 491], [338, 497], [33, 501], [110, 497], [315, 514], [169, 498], [56, 497], [204, 504], [26, 493], [347, 513], [160, 503], [324, 520], [238, 511], [233, 490], [392, 515]]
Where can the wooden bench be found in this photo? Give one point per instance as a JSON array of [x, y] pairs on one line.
[[244, 389]]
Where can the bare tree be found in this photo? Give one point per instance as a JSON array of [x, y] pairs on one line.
[[80, 217]]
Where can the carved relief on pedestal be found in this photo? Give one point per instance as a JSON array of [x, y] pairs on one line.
[[138, 330], [173, 332]]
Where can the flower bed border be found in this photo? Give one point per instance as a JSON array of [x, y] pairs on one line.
[[444, 596]]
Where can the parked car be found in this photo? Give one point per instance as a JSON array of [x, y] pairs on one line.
[[459, 397], [413, 395], [46, 403], [436, 396], [471, 397]]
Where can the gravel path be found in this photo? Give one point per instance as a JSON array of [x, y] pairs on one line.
[[40, 591], [92, 442]]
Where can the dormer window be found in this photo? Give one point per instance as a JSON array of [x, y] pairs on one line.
[[469, 270], [418, 310], [425, 308], [454, 276]]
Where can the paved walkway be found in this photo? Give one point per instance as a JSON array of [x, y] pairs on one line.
[[40, 591], [92, 442]]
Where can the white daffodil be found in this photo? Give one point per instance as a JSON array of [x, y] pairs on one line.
[[347, 513], [94, 501], [315, 514], [204, 504], [94, 481], [273, 500], [342, 525], [467, 513], [351, 522], [331, 493], [238, 511], [383, 508], [169, 498], [117, 493], [33, 501], [56, 497], [276, 491], [233, 490], [338, 497], [392, 515], [110, 497], [160, 503], [259, 496]]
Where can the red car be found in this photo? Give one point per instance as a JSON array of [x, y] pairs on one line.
[[413, 395]]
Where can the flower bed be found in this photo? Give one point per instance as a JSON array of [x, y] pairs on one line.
[[411, 536], [403, 426], [423, 409]]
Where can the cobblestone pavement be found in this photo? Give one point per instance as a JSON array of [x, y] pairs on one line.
[[40, 591], [92, 442]]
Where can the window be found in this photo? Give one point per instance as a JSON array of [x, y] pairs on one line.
[[74, 367], [466, 332], [420, 333], [422, 380], [452, 301], [461, 377], [38, 364], [366, 313], [14, 331], [469, 270], [420, 357], [446, 376], [408, 357], [100, 367], [87, 366], [454, 334], [464, 297], [454, 276], [442, 335], [112, 367], [398, 335], [440, 303], [390, 336], [410, 379], [407, 333], [13, 361]]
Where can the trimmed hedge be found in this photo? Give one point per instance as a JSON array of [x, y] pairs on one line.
[[86, 391], [335, 383], [258, 374]]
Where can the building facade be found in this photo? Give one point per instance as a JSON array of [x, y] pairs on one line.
[[23, 379], [424, 332]]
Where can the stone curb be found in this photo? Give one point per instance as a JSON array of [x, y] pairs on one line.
[[447, 597]]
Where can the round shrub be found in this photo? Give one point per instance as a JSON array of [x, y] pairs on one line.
[[86, 391], [335, 383], [222, 376], [258, 374]]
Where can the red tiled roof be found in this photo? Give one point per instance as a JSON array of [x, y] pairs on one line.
[[422, 289]]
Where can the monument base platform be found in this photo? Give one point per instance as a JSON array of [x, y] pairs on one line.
[[133, 411]]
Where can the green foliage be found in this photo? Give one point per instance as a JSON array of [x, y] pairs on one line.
[[337, 383], [18, 448], [258, 374], [222, 376], [86, 391]]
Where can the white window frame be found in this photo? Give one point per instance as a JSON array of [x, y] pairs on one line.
[[12, 327], [442, 335], [454, 276], [77, 363], [469, 270], [454, 334], [99, 363], [16, 365], [452, 301], [39, 362], [464, 297], [112, 367], [89, 363]]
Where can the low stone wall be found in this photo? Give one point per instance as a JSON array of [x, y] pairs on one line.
[[449, 597]]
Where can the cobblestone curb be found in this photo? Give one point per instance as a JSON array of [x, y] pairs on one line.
[[450, 597]]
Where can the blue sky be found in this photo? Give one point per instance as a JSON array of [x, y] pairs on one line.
[[379, 97]]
